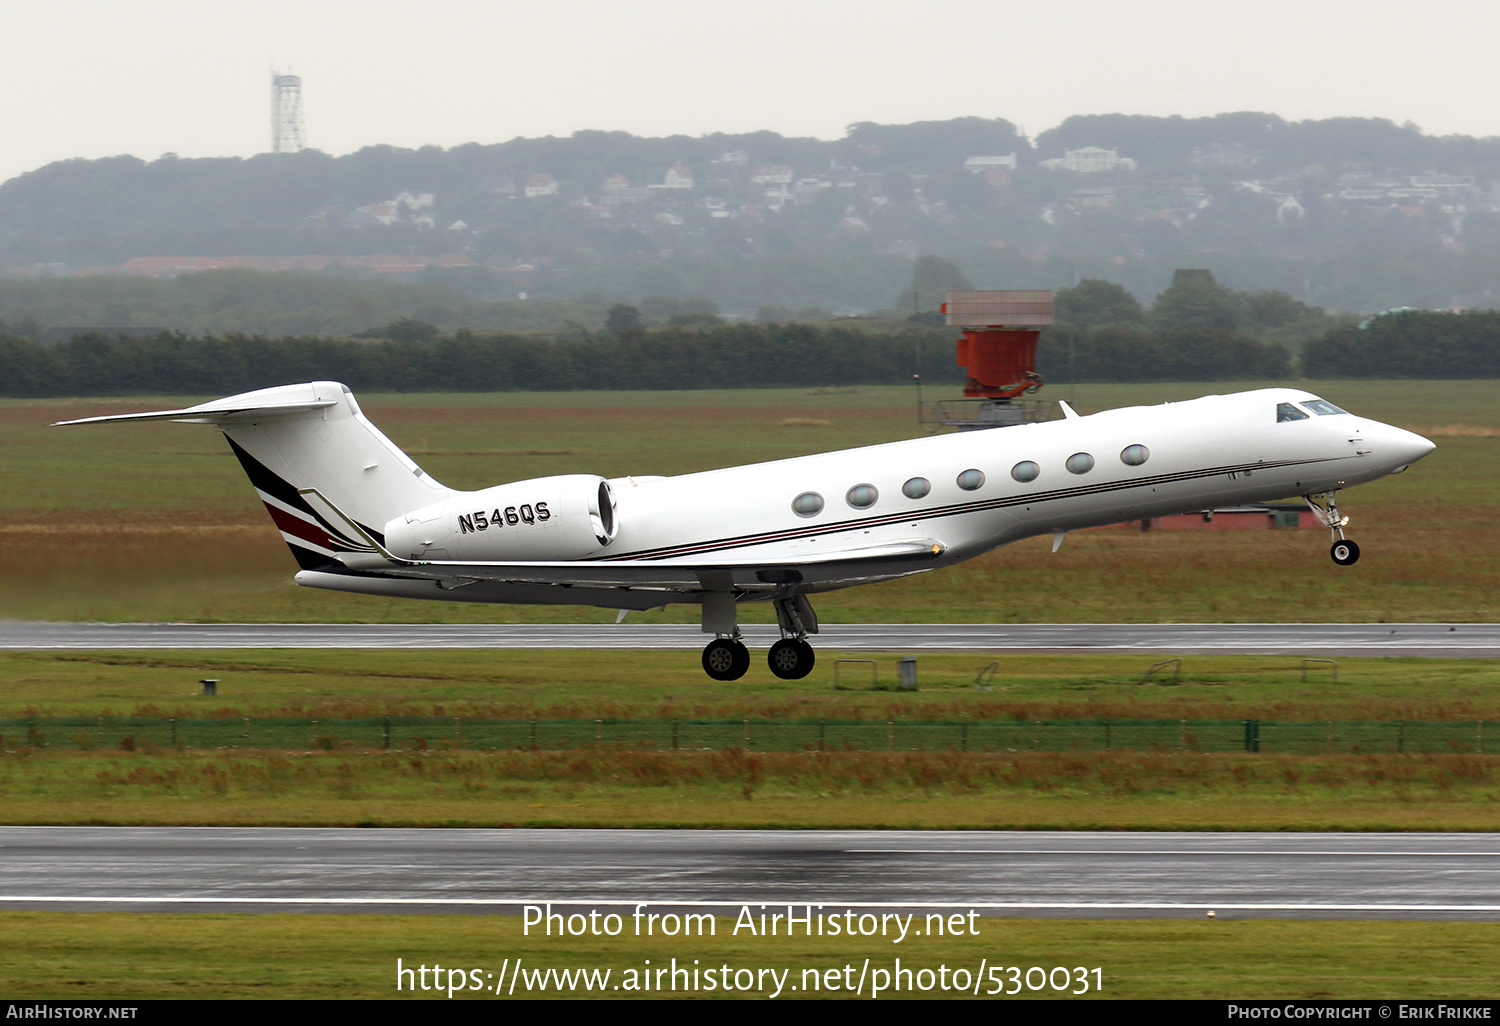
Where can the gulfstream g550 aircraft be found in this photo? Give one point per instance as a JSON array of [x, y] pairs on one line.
[[360, 516]]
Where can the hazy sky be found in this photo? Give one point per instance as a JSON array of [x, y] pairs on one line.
[[93, 78]]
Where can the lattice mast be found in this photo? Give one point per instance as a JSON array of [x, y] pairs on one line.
[[287, 131]]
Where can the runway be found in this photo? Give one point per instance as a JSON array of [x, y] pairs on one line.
[[1453, 641], [1096, 875]]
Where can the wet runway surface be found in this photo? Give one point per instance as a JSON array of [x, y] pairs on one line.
[[1153, 875]]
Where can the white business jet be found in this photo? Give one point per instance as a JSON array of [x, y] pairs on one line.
[[360, 516]]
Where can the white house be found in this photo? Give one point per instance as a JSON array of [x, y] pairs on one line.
[[1090, 159], [540, 184]]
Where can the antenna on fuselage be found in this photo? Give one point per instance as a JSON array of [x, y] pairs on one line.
[[998, 349]]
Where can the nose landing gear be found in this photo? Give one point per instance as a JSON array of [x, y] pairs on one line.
[[1344, 552]]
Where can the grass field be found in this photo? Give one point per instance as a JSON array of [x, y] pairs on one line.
[[942, 790], [567, 684], [156, 521], [86, 957], [338, 782]]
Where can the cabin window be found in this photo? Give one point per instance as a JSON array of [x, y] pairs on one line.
[[1134, 455], [1025, 471], [861, 496], [970, 480], [1080, 463], [916, 488], [1287, 412], [808, 504], [1322, 407]]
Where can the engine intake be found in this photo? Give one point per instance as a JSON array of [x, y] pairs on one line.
[[571, 516]]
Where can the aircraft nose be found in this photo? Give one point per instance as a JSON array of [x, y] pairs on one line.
[[1399, 447]]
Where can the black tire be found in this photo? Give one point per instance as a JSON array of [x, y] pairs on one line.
[[1344, 552], [790, 659], [725, 659]]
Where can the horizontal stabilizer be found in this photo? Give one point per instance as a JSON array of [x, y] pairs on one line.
[[214, 413]]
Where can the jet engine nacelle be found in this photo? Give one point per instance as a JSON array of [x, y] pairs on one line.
[[548, 518]]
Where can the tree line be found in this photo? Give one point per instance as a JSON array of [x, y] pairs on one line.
[[1409, 344], [670, 357]]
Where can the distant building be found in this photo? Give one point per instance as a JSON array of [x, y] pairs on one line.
[[979, 165], [771, 174], [540, 184], [1090, 160], [679, 176]]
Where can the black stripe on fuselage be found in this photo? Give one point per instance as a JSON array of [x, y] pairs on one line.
[[952, 509]]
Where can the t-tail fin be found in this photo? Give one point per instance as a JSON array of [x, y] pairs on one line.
[[295, 438]]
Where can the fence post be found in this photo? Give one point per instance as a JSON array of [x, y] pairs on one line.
[[598, 732], [747, 734], [533, 735], [247, 728], [1182, 735], [387, 743], [1252, 735], [890, 734]]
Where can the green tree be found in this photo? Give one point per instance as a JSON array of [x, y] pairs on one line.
[[1093, 303], [622, 318], [1196, 302], [931, 276]]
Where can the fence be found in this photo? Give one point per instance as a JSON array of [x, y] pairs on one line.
[[406, 733]]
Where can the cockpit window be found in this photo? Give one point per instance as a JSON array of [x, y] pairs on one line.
[[1322, 407], [1286, 412]]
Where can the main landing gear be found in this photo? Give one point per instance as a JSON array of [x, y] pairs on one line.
[[791, 658], [726, 659], [1344, 552]]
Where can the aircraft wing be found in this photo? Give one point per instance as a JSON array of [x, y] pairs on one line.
[[843, 566]]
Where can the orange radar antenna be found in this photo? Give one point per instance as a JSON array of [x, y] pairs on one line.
[[1000, 327]]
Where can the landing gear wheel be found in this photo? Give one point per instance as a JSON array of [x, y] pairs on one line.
[[791, 659], [1344, 552], [725, 659]]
